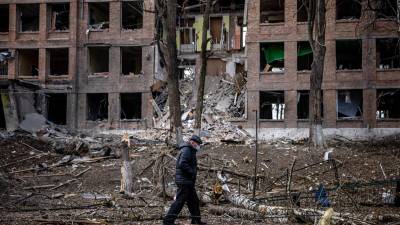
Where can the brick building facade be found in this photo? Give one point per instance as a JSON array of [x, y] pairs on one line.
[[89, 63], [355, 89]]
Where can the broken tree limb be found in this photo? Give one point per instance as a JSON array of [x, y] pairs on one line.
[[326, 218], [84, 171], [23, 160], [127, 173], [40, 187], [233, 211], [62, 184]]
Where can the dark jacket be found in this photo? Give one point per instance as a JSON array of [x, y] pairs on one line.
[[186, 165]]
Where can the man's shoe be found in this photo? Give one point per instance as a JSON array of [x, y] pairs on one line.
[[198, 222]]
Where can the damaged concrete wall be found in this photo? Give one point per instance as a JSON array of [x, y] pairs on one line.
[[10, 111]]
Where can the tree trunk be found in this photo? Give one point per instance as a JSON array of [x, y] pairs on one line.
[[127, 173], [166, 19], [203, 70], [317, 23]]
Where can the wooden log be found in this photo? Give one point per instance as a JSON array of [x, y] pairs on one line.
[[233, 211], [127, 174]]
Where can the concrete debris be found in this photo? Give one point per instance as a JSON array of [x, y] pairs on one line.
[[33, 123], [224, 101]]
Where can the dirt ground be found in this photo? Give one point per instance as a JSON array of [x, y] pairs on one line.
[[88, 193]]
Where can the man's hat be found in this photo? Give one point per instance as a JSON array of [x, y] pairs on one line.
[[196, 139]]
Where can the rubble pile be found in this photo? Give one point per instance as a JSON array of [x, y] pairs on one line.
[[224, 101]]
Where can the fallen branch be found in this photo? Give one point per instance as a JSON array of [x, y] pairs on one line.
[[23, 160], [234, 212], [84, 171], [39, 186], [62, 184]]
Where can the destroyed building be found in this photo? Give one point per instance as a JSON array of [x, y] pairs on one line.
[[361, 78], [82, 64], [91, 64]]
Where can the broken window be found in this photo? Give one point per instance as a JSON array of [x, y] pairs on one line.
[[58, 17], [131, 60], [222, 6], [387, 102], [348, 54], [388, 53], [99, 15], [4, 18], [131, 106], [98, 60], [302, 14], [386, 9], [218, 31], [132, 15], [97, 105], [304, 56], [272, 105], [272, 57], [29, 17], [28, 62], [4, 56], [58, 61], [349, 104], [303, 105], [57, 108], [272, 11], [187, 35], [348, 9]]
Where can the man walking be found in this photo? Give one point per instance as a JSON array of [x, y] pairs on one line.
[[185, 179]]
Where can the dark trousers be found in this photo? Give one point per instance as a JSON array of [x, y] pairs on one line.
[[185, 194]]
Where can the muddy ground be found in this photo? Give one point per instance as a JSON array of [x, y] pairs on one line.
[[34, 191]]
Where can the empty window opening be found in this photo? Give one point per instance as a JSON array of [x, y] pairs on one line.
[[97, 107], [348, 54], [98, 60], [302, 14], [303, 105], [218, 30], [99, 15], [272, 105], [388, 101], [272, 11], [131, 106], [28, 62], [4, 56], [131, 60], [2, 116], [388, 53], [272, 57], [386, 9], [4, 18], [349, 104], [59, 16], [348, 9], [132, 15], [304, 56], [222, 6], [57, 108], [58, 61], [29, 17]]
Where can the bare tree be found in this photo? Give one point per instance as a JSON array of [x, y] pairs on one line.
[[203, 69], [166, 27], [316, 19]]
